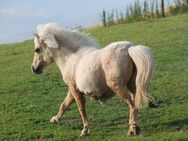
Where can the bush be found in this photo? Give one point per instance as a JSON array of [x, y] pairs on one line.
[[179, 7]]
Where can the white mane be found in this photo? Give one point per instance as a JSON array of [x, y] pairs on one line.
[[67, 38]]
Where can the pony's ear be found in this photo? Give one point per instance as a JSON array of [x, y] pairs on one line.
[[36, 35], [51, 41]]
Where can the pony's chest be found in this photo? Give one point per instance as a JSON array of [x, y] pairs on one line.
[[68, 71]]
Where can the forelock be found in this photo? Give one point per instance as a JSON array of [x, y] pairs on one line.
[[36, 41], [44, 29]]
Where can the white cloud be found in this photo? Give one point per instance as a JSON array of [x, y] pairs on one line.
[[22, 12]]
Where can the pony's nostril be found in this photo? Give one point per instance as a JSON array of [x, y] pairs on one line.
[[37, 70], [33, 69]]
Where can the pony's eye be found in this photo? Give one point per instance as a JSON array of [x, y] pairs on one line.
[[37, 50], [43, 44]]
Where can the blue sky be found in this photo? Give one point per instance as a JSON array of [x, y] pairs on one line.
[[19, 18]]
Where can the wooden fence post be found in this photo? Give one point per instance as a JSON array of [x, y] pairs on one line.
[[104, 18], [162, 9]]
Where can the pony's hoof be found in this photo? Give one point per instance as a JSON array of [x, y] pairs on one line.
[[134, 131], [54, 120], [85, 132]]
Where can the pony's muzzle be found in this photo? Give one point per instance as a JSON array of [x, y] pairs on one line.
[[37, 70]]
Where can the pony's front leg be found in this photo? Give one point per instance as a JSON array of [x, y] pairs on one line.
[[80, 100], [69, 99]]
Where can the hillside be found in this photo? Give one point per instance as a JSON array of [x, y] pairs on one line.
[[27, 101]]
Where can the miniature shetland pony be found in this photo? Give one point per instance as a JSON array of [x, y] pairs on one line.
[[118, 69]]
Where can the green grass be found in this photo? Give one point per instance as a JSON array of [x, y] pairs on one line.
[[28, 101]]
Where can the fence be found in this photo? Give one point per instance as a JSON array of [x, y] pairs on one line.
[[118, 13]]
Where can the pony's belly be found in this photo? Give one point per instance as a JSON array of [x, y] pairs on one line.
[[96, 91], [90, 85], [90, 90], [94, 87], [89, 75]]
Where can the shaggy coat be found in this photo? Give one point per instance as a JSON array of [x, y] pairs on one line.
[[120, 68]]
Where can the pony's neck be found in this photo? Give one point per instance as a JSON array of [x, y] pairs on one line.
[[71, 42], [66, 42], [60, 58]]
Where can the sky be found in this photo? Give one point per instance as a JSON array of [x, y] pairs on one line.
[[19, 18]]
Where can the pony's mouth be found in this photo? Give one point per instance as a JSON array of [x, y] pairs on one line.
[[37, 70]]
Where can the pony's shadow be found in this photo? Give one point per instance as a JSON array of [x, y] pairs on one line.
[[178, 124]]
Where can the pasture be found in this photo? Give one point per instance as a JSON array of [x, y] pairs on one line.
[[27, 101]]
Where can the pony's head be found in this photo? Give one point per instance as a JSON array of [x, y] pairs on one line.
[[44, 45], [50, 39]]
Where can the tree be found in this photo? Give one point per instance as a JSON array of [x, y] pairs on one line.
[[162, 9]]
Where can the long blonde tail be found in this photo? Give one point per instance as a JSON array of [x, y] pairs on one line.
[[143, 59]]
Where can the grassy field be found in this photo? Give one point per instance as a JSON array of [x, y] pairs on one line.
[[28, 101]]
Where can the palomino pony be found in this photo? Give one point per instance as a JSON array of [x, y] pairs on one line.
[[120, 68]]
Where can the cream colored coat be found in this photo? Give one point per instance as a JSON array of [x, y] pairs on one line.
[[120, 68]]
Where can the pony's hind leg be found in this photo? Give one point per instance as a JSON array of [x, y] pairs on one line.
[[133, 117], [124, 93], [66, 103]]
